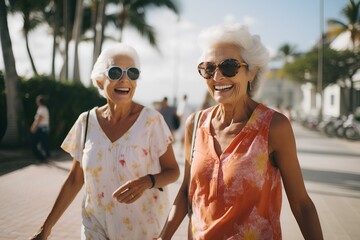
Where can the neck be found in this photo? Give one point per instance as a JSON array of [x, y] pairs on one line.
[[238, 112], [115, 113]]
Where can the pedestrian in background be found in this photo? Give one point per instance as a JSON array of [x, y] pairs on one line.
[[183, 111], [243, 152], [122, 152], [169, 114], [39, 130]]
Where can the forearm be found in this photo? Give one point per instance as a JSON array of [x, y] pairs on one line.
[[308, 221], [65, 197], [176, 216], [165, 177]]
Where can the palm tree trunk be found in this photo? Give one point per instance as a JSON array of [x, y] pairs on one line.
[[55, 45], [98, 30], [65, 75], [76, 36], [29, 53], [13, 102]]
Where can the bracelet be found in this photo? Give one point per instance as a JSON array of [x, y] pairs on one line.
[[152, 178]]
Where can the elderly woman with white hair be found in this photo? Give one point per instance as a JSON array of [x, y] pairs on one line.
[[243, 151], [122, 152]]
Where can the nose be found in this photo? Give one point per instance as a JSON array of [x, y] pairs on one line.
[[218, 75]]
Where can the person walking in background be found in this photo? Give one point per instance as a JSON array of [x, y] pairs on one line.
[[244, 151], [169, 113], [40, 131], [183, 111], [122, 152]]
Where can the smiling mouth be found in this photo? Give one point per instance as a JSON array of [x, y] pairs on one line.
[[223, 87], [122, 90]]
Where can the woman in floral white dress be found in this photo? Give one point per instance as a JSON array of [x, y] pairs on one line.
[[125, 159]]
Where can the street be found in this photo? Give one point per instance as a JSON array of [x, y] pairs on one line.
[[331, 169]]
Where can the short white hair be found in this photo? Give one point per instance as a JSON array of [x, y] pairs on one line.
[[104, 61], [251, 49]]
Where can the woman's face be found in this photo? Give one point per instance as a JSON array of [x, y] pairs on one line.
[[226, 89], [122, 90]]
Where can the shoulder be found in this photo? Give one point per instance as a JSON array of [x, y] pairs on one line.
[[150, 112], [280, 131]]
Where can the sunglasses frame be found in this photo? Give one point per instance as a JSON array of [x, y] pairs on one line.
[[218, 66], [122, 73]]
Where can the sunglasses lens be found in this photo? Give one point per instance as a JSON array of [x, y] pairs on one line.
[[133, 73], [229, 67], [206, 69], [115, 73]]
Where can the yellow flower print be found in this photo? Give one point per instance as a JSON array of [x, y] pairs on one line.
[[261, 163], [135, 165], [126, 135], [249, 234], [126, 220], [95, 172], [100, 155], [108, 207]]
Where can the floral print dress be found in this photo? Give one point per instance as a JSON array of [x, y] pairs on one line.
[[236, 195], [108, 165]]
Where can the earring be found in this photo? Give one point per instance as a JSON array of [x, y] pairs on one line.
[[249, 85]]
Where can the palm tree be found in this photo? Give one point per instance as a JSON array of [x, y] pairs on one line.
[[76, 34], [285, 53], [337, 27], [133, 13], [13, 102], [32, 16]]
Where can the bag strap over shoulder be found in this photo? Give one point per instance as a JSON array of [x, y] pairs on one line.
[[196, 120], [86, 127]]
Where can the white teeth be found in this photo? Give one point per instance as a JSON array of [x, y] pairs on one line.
[[123, 89], [222, 87]]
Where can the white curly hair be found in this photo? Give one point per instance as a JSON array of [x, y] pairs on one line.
[[104, 61], [251, 49]]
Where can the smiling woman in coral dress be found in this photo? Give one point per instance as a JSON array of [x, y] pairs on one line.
[[243, 151], [123, 156]]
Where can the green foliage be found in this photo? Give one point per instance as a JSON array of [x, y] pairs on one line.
[[64, 100], [334, 66]]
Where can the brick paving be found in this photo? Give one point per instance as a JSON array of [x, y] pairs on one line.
[[331, 169]]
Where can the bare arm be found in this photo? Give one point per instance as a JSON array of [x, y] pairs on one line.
[[35, 123], [69, 190], [283, 147], [180, 206]]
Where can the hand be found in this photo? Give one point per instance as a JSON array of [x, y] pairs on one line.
[[132, 190], [33, 128], [40, 235]]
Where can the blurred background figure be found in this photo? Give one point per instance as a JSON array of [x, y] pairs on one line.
[[169, 113], [40, 131], [183, 111]]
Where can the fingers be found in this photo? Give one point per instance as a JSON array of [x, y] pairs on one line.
[[130, 191]]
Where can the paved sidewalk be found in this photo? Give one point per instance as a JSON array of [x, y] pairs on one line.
[[331, 169]]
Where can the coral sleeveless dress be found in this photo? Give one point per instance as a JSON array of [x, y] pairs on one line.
[[237, 195]]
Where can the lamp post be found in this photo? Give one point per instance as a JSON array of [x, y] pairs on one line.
[[321, 60]]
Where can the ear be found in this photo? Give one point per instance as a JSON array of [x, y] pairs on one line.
[[100, 84], [252, 73]]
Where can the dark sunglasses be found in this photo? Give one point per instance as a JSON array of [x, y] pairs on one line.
[[228, 68], [115, 73]]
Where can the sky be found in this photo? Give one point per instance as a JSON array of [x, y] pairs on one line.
[[171, 71]]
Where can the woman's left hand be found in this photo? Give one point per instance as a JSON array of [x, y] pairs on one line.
[[132, 190]]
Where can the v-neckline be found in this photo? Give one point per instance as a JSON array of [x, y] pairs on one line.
[[222, 156], [128, 130]]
